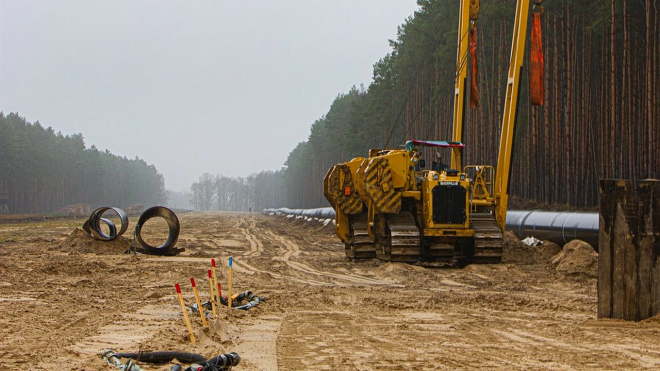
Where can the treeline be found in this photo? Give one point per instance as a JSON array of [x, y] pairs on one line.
[[253, 193], [42, 171], [599, 118]]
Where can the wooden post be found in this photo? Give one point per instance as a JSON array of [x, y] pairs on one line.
[[629, 249]]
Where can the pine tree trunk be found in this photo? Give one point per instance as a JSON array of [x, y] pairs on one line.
[[613, 121], [546, 126], [649, 93]]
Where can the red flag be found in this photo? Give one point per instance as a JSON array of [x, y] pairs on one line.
[[474, 78], [536, 63]]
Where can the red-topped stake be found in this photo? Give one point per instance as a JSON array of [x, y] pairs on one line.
[[212, 298], [185, 314], [215, 281], [199, 303]]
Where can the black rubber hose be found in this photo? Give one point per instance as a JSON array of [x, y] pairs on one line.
[[221, 362], [172, 223], [163, 357], [249, 305]]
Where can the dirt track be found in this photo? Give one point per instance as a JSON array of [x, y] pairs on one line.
[[65, 298]]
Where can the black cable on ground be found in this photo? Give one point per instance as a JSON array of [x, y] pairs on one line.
[[163, 357]]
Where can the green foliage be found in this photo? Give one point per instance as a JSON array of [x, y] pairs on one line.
[[412, 93], [41, 171], [414, 74]]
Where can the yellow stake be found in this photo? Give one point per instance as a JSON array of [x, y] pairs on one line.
[[212, 298], [199, 304], [229, 292], [185, 315]]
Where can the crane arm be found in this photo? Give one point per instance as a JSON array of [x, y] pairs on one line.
[[502, 175], [459, 88]]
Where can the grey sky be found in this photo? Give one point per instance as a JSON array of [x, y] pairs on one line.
[[225, 87]]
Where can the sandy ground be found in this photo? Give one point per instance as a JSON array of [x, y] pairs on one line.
[[65, 298]]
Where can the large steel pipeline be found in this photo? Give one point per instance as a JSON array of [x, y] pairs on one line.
[[319, 213], [558, 227]]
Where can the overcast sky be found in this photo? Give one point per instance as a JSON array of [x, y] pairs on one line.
[[225, 87]]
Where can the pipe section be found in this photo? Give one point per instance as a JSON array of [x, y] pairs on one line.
[[172, 223], [320, 213], [558, 227], [93, 227]]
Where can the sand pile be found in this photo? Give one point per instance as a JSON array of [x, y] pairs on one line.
[[577, 258], [515, 251], [80, 241]]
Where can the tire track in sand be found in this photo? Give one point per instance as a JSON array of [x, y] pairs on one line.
[[243, 267], [289, 249], [256, 246], [245, 224], [293, 250], [128, 332]]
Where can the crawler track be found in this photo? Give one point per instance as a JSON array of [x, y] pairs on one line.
[[362, 245], [487, 239], [403, 240]]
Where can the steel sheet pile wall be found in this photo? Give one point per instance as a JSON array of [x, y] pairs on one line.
[[628, 269]]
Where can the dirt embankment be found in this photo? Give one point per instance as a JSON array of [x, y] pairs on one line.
[[576, 259], [65, 298]]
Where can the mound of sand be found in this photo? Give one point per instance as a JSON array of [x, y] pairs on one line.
[[577, 258], [80, 241], [515, 251]]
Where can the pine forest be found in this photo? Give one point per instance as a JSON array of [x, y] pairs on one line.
[[599, 117], [41, 171]]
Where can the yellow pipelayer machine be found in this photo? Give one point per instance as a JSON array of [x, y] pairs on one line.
[[388, 207]]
